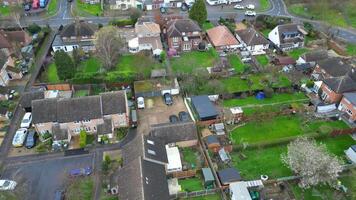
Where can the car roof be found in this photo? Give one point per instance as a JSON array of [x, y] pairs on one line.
[[27, 115]]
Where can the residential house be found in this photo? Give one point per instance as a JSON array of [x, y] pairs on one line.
[[157, 4], [313, 57], [183, 35], [222, 39], [331, 68], [148, 38], [182, 134], [28, 97], [332, 89], [125, 4], [76, 35], [287, 36], [253, 41], [8, 71], [10, 41], [348, 105], [83, 113]]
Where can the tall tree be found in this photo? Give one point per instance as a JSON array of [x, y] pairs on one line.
[[198, 12], [108, 46], [135, 14], [16, 12], [65, 65], [312, 162]]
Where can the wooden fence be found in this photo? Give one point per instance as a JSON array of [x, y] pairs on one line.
[[184, 174], [335, 133], [63, 87], [195, 193]]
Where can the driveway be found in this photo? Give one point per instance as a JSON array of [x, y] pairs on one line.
[[40, 179]]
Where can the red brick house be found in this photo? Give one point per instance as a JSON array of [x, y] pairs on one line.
[[183, 34], [330, 68], [332, 89], [348, 105]]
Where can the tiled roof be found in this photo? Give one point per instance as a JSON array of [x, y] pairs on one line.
[[221, 36]]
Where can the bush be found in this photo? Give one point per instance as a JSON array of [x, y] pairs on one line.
[[82, 139], [46, 135], [121, 22], [309, 84], [34, 28], [268, 92]]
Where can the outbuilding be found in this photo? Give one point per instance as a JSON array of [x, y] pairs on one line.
[[229, 175], [351, 153], [208, 178], [174, 161], [204, 108]]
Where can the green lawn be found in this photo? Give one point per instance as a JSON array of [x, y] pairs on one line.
[[338, 145], [4, 10], [190, 61], [207, 25], [91, 65], [262, 59], [351, 49], [80, 188], [276, 98], [94, 9], [236, 63], [191, 184], [264, 5], [52, 76], [52, 7], [266, 31], [279, 127], [81, 93], [296, 53], [189, 155], [208, 197], [254, 82]]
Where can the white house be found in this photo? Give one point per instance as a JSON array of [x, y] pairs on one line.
[[351, 153], [253, 41], [287, 36], [125, 4], [174, 161], [239, 191]]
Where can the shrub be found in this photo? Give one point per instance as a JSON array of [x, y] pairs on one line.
[[309, 84], [121, 22], [82, 139], [34, 28], [268, 92]]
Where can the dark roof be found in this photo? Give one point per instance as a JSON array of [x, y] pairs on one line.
[[7, 37], [79, 29], [353, 147], [351, 97], [155, 149], [113, 102], [3, 59], [315, 56], [212, 139], [58, 133], [177, 26], [105, 128], [334, 66], [3, 110], [229, 175], [204, 107], [44, 110], [285, 60], [174, 132], [4, 42], [252, 37], [141, 179], [341, 84], [3, 90], [28, 97], [304, 66]]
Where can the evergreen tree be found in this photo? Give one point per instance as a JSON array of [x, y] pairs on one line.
[[198, 12], [65, 65]]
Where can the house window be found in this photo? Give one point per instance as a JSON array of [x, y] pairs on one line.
[[175, 39], [186, 47], [349, 111], [86, 120], [77, 130], [324, 96], [76, 122], [65, 48]]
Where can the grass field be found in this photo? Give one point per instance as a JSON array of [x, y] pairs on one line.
[[191, 184], [188, 62], [52, 7], [236, 63], [264, 5], [4, 10], [134, 64], [94, 9], [296, 53], [207, 25], [280, 127], [80, 188], [90, 66], [276, 98], [351, 49], [52, 76], [263, 60], [189, 156]]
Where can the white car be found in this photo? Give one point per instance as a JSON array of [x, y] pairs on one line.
[[140, 103], [19, 138], [235, 1], [250, 6], [26, 120], [250, 13], [239, 7], [7, 185]]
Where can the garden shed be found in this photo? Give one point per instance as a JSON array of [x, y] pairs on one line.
[[229, 175], [208, 178], [351, 153], [204, 108]]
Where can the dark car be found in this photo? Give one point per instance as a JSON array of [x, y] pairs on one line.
[[86, 171], [183, 116], [168, 99], [59, 195], [173, 119], [31, 139], [27, 7]]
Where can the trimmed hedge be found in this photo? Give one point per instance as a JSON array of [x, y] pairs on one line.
[[121, 22]]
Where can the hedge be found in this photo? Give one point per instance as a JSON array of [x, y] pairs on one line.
[[121, 22]]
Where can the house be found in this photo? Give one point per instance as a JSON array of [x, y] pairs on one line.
[[157, 4], [148, 38], [76, 35], [183, 35], [125, 5], [330, 68], [83, 113], [11, 40], [313, 57], [8, 71], [287, 36], [142, 179], [238, 191], [222, 39], [174, 161], [332, 89], [351, 153], [253, 41], [228, 176], [204, 108], [208, 178], [348, 105], [28, 97], [182, 134]]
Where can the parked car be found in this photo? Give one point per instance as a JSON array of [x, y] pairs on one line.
[[140, 103], [7, 184], [26, 120], [133, 118], [250, 6], [235, 1], [240, 7], [31, 139], [27, 7], [168, 99], [20, 137], [173, 119], [59, 195], [183, 116], [250, 13], [86, 171]]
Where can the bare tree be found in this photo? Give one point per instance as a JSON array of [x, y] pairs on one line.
[[16, 12], [312, 162], [108, 44]]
